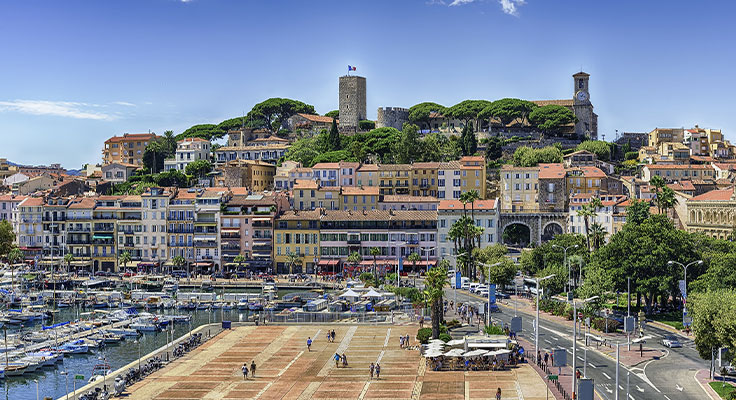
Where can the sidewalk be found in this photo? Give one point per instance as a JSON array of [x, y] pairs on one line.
[[703, 378]]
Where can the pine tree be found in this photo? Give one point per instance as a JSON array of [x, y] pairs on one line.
[[468, 141], [333, 140]]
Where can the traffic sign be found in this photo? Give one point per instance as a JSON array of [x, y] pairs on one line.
[[552, 377], [580, 315], [79, 377]]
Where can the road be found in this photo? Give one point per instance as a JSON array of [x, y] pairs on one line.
[[669, 378]]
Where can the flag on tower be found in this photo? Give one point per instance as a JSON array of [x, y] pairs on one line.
[[351, 68]]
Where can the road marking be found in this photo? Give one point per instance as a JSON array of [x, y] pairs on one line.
[[548, 342], [631, 397], [380, 356], [609, 390], [678, 387], [620, 387], [388, 335], [606, 375], [290, 363], [519, 394], [554, 331], [639, 389], [263, 390], [592, 365], [581, 359]]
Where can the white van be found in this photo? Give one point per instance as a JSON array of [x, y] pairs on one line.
[[473, 286], [464, 283]]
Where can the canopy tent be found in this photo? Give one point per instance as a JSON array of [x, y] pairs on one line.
[[349, 294], [373, 294]]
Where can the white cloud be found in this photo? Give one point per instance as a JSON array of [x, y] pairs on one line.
[[124, 103], [461, 2], [510, 7], [55, 108]]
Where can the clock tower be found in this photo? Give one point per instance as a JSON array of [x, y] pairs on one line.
[[587, 124]]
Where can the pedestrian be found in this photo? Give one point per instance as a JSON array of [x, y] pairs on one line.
[[253, 368], [328, 336], [309, 343], [546, 359], [498, 394], [245, 371], [337, 360], [333, 336], [344, 360], [421, 321], [378, 371], [401, 342], [372, 368], [539, 358]]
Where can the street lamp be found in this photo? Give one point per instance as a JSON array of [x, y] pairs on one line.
[[488, 318], [564, 249], [66, 383], [454, 290], [37, 394], [536, 324], [138, 341], [575, 337], [684, 289]]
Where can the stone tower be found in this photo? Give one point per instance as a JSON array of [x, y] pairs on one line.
[[352, 102], [582, 107], [392, 117]]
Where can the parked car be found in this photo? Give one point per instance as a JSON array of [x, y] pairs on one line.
[[502, 295], [728, 370], [474, 287], [671, 342]]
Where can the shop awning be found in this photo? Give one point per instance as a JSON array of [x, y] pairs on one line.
[[203, 264], [95, 236], [147, 264], [327, 262]]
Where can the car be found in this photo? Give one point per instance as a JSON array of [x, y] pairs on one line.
[[729, 370], [671, 342], [474, 287], [502, 295], [482, 292]]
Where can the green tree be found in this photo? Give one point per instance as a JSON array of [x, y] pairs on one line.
[[436, 147], [433, 292], [199, 168], [414, 258], [637, 211], [7, 237], [495, 266], [533, 261], [155, 153], [468, 141], [275, 111], [494, 148], [631, 155], [334, 114], [169, 142], [68, 259], [598, 147], [467, 110], [333, 141], [666, 199], [366, 125], [526, 156], [292, 259], [179, 262], [354, 259], [409, 147], [202, 131], [552, 118], [14, 256], [123, 259], [419, 114], [714, 320], [597, 235], [239, 259], [507, 111]]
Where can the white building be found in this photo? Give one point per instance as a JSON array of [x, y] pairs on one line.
[[486, 213], [449, 180], [187, 151], [613, 207], [154, 203]]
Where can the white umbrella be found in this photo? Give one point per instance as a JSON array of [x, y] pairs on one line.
[[454, 353], [372, 293], [473, 353], [437, 341], [455, 342], [433, 353]]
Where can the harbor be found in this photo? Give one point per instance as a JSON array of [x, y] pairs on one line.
[[63, 334]]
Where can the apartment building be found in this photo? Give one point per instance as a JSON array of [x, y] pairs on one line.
[[519, 188], [296, 242], [449, 181], [6, 169], [424, 179], [127, 149], [254, 175], [129, 230], [608, 216], [104, 232], [29, 231], [206, 228], [398, 202], [9, 206], [712, 213], [367, 175], [486, 215], [660, 135], [359, 198], [188, 150], [79, 231], [394, 179], [678, 172], [586, 180], [395, 233], [269, 153], [180, 221], [473, 174], [155, 203]]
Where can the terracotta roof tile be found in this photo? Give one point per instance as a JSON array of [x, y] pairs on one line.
[[408, 199], [457, 205], [715, 195], [365, 190], [551, 171], [381, 215], [317, 118]]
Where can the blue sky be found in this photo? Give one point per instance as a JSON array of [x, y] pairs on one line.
[[77, 72]]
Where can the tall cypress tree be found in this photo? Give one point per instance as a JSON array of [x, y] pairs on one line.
[[333, 140]]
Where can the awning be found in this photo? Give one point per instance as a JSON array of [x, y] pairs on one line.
[[147, 264], [95, 236], [262, 219], [203, 264], [328, 262]]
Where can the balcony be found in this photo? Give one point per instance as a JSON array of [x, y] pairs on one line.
[[424, 185], [262, 248], [103, 254], [78, 229], [78, 218], [180, 244], [78, 241], [105, 217], [231, 247], [205, 230], [130, 218], [181, 230], [104, 228], [353, 240], [53, 219], [226, 236], [412, 241], [261, 224], [205, 243], [108, 242]]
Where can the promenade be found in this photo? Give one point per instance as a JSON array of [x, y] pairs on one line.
[[287, 370]]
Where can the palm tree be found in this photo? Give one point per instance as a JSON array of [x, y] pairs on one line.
[[292, 259], [354, 259], [179, 262], [14, 256], [433, 291], [375, 251], [597, 235], [68, 259], [169, 142], [240, 260], [666, 200], [414, 258], [586, 212], [124, 258]]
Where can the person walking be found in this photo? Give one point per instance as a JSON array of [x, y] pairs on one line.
[[378, 371], [344, 360], [309, 343], [333, 336], [372, 368], [253, 368], [546, 359], [337, 360], [328, 337], [498, 394], [245, 371]]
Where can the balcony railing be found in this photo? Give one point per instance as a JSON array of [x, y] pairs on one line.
[[53, 219], [230, 236], [181, 230], [205, 243], [354, 241], [79, 241], [78, 229]]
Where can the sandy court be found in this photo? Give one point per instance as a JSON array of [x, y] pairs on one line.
[[287, 370]]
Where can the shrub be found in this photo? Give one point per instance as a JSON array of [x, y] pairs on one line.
[[445, 337], [631, 155], [423, 335], [494, 330], [452, 324]]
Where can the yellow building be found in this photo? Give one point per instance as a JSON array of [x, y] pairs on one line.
[[586, 180], [660, 135], [104, 227], [519, 188], [394, 178], [473, 174], [359, 198], [297, 232], [424, 179], [309, 195], [367, 175], [712, 213], [127, 149]]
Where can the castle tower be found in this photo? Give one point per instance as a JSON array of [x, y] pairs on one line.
[[352, 102], [582, 107]]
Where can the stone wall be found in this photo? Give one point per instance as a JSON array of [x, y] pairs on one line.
[[352, 102], [392, 117]]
